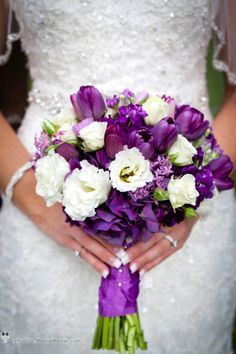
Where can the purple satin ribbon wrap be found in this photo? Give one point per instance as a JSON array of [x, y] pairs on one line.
[[118, 292]]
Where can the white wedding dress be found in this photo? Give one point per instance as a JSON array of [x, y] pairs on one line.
[[187, 305]]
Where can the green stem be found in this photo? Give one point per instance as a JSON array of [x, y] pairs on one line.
[[120, 333], [111, 334], [105, 332], [98, 332], [117, 333]]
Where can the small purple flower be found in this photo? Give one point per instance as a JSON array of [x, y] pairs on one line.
[[161, 169], [88, 103], [164, 134], [112, 102], [190, 122], [131, 113], [127, 93], [41, 142]]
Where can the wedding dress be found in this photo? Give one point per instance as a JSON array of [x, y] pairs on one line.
[[187, 302]]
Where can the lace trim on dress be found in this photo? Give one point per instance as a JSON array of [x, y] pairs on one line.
[[220, 23], [220, 64], [11, 36]]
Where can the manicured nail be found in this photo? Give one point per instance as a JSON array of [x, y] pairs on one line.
[[116, 263], [141, 273], [126, 259], [121, 253], [105, 273], [133, 267]]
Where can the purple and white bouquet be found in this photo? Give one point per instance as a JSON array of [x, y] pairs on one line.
[[123, 167]]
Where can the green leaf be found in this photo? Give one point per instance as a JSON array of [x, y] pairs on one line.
[[190, 212], [173, 158], [49, 127], [160, 194]]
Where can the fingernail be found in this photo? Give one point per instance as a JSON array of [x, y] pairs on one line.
[[121, 253], [105, 273], [133, 267], [116, 262], [125, 259], [141, 273]]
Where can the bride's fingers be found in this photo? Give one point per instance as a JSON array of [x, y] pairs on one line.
[[96, 248], [94, 262], [118, 251], [98, 265], [155, 262], [149, 265], [154, 252], [140, 248]]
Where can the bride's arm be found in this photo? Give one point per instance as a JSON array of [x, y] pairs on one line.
[[50, 220], [225, 124]]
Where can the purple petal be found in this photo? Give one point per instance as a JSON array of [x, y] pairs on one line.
[[84, 123]]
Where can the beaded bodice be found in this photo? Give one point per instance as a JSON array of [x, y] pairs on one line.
[[159, 45]]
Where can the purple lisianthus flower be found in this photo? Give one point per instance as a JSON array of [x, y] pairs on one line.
[[221, 168], [164, 134], [190, 122], [113, 141], [143, 140], [151, 224], [88, 102]]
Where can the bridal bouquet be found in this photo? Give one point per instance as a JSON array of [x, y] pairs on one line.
[[122, 167]]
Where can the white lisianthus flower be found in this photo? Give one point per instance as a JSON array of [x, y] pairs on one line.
[[66, 132], [182, 151], [93, 136], [156, 109], [66, 116], [130, 170], [182, 191], [84, 190], [50, 173]]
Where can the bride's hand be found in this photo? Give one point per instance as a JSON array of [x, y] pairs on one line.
[[143, 256], [51, 221]]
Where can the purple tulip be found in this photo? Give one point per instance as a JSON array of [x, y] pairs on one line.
[[67, 151], [88, 103], [190, 122], [113, 141], [164, 134], [143, 140], [221, 168]]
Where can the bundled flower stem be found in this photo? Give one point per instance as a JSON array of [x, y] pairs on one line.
[[119, 333], [118, 325]]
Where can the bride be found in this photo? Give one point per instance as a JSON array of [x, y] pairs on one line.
[[188, 297]]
